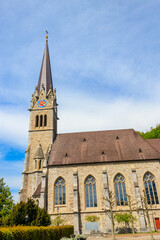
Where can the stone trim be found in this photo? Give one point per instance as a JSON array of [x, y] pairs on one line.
[[139, 202]]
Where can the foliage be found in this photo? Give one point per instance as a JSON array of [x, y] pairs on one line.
[[124, 218], [152, 133], [27, 213], [18, 214], [6, 199], [58, 220], [43, 218], [31, 211], [92, 218], [32, 233]]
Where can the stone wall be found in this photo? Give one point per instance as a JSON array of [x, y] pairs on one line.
[[96, 170]]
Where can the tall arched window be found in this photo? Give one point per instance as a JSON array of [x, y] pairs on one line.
[[60, 191], [120, 190], [90, 192], [150, 188], [40, 164], [37, 120], [45, 120], [35, 164], [41, 120]]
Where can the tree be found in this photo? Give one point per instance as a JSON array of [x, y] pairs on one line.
[[31, 211], [18, 214], [43, 218], [110, 202], [58, 220], [6, 199], [146, 210], [152, 133], [124, 218]]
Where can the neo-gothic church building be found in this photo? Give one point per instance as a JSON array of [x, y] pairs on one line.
[[71, 173]]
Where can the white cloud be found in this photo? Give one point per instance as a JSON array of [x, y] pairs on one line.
[[14, 126], [11, 172]]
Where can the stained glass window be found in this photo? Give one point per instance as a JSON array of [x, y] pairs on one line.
[[120, 190], [90, 192], [150, 188], [60, 192]]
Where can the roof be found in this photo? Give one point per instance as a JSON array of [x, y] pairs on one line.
[[45, 76], [38, 190], [154, 143], [100, 146]]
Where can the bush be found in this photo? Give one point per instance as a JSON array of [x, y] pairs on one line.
[[43, 219], [26, 214], [32, 233], [92, 218]]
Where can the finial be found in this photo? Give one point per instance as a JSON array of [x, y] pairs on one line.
[[46, 36]]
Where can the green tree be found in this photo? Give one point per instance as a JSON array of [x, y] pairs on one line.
[[152, 133], [58, 220], [31, 211], [124, 218], [18, 214], [6, 199], [43, 218]]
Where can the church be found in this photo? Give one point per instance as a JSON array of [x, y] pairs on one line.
[[71, 173]]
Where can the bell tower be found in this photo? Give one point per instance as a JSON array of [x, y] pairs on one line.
[[42, 129]]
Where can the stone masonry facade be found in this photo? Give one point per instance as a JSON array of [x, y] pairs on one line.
[[72, 157]]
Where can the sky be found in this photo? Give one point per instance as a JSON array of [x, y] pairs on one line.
[[105, 60]]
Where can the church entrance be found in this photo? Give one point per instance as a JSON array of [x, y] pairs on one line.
[[157, 221]]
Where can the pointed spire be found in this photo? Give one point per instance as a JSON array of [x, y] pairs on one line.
[[45, 77]]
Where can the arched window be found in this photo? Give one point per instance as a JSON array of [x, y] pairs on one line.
[[150, 188], [37, 120], [35, 164], [40, 164], [90, 192], [45, 120], [60, 191], [120, 190], [41, 120]]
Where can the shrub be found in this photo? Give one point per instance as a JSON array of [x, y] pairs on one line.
[[43, 218], [26, 214], [58, 220], [92, 218], [32, 233]]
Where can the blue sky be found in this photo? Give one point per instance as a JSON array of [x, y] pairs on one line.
[[105, 58]]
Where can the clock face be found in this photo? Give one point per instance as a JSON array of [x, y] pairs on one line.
[[41, 103]]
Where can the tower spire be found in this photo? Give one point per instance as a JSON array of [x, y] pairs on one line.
[[45, 77]]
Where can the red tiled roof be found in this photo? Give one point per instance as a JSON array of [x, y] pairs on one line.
[[100, 146], [154, 143]]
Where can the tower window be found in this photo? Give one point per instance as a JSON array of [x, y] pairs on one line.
[[41, 120], [40, 163], [35, 164], [45, 120], [37, 120]]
